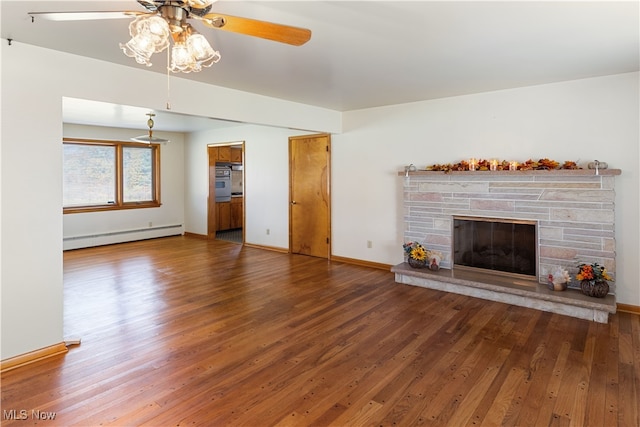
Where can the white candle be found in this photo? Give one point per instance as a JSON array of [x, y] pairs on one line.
[[493, 165], [472, 164], [513, 166]]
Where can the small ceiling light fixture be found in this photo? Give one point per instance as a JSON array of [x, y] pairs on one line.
[[153, 33], [149, 138]]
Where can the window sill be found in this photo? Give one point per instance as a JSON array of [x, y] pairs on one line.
[[85, 209]]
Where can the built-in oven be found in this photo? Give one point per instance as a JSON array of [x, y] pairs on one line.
[[223, 184]]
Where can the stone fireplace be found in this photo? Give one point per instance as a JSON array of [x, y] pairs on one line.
[[572, 212]]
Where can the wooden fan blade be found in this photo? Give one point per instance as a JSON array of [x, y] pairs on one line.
[[265, 30], [83, 16]]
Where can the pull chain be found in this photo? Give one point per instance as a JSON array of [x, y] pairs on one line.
[[168, 81]]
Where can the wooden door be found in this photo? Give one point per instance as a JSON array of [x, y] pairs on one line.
[[309, 207]]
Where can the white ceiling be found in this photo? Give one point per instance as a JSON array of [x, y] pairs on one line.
[[368, 53]]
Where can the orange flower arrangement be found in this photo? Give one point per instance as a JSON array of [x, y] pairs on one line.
[[592, 271]]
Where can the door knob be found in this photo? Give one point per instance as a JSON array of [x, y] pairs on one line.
[[293, 202]]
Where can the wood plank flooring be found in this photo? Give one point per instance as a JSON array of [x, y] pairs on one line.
[[182, 331]]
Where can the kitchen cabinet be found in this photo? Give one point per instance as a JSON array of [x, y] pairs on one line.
[[224, 153], [223, 216], [236, 212], [229, 214], [236, 155], [220, 154], [213, 155]]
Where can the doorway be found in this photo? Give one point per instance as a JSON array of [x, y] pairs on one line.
[[225, 206], [309, 191]]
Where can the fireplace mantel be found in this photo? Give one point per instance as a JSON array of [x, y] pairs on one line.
[[574, 210], [550, 173]]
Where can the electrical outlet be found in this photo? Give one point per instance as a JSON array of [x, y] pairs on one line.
[[369, 244], [268, 231], [150, 224]]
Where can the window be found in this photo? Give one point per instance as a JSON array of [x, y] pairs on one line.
[[107, 175]]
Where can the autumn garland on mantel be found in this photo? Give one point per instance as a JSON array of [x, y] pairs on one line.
[[485, 165]]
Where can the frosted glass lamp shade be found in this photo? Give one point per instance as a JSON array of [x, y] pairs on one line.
[[201, 50], [149, 34]]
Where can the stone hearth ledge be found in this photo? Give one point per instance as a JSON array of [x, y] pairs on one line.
[[520, 292]]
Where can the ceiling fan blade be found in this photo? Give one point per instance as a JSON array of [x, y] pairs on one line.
[[265, 30], [83, 16]]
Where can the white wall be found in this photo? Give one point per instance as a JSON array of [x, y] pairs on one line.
[[266, 168], [577, 120], [34, 81], [31, 269], [79, 228]]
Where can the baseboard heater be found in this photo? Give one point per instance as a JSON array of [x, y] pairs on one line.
[[119, 233]]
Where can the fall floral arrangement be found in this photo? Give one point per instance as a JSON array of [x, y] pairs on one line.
[[485, 165], [592, 272], [419, 256], [415, 250]]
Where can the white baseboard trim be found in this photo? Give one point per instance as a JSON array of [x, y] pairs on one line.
[[121, 236]]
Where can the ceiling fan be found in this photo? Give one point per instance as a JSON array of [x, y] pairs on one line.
[[169, 20]]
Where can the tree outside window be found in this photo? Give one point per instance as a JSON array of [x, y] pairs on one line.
[[137, 174], [107, 175]]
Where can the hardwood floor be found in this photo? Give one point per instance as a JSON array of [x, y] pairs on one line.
[[183, 331]]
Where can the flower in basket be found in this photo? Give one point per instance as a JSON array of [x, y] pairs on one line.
[[592, 272], [415, 251], [420, 257], [593, 278]]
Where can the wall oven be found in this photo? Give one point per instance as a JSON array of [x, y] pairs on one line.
[[223, 184]]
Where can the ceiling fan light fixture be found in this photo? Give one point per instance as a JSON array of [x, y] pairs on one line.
[[140, 49], [201, 50], [149, 34], [191, 51], [181, 59]]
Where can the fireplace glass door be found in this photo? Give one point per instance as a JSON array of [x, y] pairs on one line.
[[506, 246]]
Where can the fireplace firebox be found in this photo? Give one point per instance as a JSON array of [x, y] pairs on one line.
[[503, 246]]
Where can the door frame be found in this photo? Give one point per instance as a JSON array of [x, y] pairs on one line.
[[328, 186], [211, 198]]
